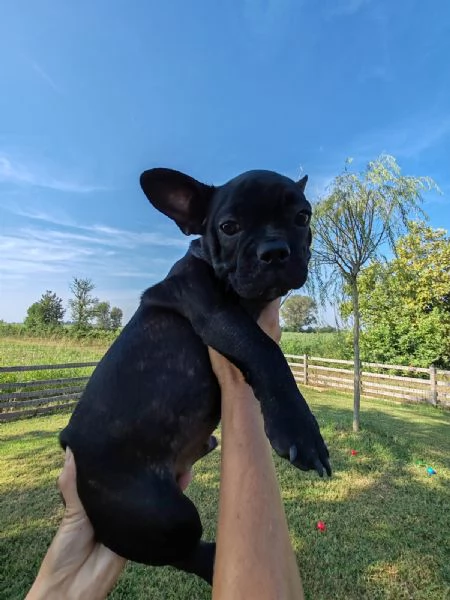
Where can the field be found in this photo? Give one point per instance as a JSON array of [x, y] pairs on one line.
[[325, 345], [17, 350], [387, 520], [35, 351], [40, 351]]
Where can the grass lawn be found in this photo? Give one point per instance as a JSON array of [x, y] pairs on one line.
[[388, 522], [41, 351]]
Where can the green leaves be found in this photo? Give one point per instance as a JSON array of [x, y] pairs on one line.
[[362, 217], [46, 314], [364, 214], [297, 312], [405, 303]]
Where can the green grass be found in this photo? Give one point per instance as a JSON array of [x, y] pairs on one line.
[[35, 351], [387, 520], [41, 351], [326, 345]]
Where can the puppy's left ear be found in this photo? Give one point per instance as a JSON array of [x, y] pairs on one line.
[[302, 183], [180, 197]]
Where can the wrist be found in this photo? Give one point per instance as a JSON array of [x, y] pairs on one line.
[[43, 589]]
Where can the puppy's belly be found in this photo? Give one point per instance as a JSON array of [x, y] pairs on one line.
[[152, 399]]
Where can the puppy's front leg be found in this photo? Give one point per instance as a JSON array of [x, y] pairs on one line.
[[225, 326]]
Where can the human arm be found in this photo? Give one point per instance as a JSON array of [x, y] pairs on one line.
[[254, 557]]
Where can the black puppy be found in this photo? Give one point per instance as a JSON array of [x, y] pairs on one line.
[[151, 405]]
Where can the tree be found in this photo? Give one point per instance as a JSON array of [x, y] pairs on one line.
[[363, 215], [405, 303], [116, 317], [298, 312], [83, 305], [45, 314], [103, 316]]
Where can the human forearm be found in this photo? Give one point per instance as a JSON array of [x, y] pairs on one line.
[[254, 554]]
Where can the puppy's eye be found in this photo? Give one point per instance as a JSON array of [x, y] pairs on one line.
[[303, 218], [230, 227]]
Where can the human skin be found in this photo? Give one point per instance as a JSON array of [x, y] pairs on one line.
[[254, 557]]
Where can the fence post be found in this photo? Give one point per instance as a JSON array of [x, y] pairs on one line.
[[305, 369], [433, 385]]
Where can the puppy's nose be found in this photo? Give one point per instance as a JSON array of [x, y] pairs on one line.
[[273, 251]]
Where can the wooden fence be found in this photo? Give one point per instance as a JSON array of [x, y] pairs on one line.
[[40, 395], [378, 380], [390, 382]]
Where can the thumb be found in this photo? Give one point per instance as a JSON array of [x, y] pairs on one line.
[[67, 483]]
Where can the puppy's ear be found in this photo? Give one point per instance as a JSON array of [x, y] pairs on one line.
[[180, 197], [302, 183]]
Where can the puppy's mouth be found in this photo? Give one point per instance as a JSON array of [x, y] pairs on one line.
[[274, 292], [263, 286]]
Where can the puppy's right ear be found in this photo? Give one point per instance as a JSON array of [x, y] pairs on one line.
[[180, 197]]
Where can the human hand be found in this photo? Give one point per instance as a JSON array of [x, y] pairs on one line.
[[269, 321], [75, 566]]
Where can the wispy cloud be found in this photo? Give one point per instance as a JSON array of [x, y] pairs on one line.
[[55, 246], [32, 252], [15, 172], [98, 234], [409, 139], [36, 258], [24, 256], [43, 74]]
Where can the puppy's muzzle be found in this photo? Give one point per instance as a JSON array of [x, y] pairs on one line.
[[273, 252]]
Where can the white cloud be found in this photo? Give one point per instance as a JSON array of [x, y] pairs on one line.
[[409, 139], [15, 172], [29, 253], [48, 250], [104, 234]]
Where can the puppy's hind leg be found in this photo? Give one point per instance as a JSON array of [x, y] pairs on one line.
[[200, 561], [146, 518]]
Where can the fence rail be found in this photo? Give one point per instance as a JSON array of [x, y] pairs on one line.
[[40, 396], [378, 380]]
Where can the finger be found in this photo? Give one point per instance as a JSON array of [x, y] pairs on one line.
[[67, 484], [184, 480], [212, 353], [276, 304]]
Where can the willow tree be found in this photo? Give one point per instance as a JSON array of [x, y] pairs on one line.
[[359, 221]]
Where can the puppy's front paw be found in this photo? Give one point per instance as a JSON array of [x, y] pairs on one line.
[[299, 440]]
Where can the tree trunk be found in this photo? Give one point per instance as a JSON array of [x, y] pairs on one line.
[[357, 364]]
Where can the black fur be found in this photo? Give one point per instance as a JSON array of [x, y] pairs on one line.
[[151, 405]]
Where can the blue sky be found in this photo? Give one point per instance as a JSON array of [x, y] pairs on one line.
[[95, 92]]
